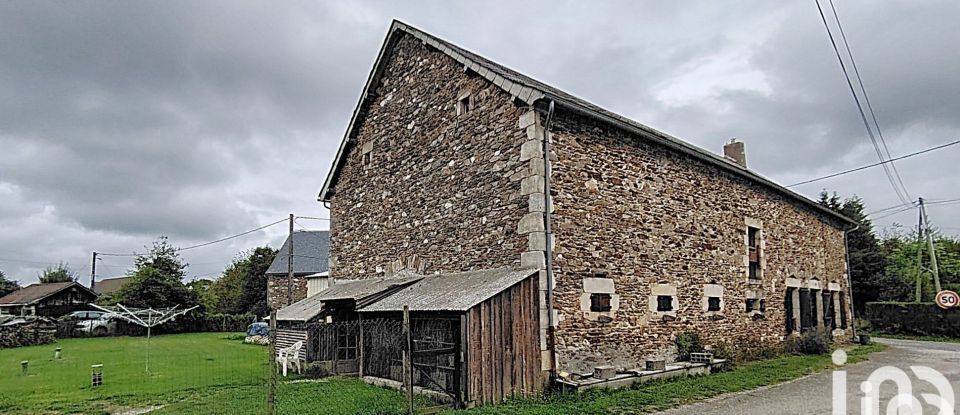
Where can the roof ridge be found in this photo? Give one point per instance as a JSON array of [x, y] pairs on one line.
[[529, 91]]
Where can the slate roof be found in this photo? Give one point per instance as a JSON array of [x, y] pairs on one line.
[[531, 92], [110, 285], [311, 250], [36, 292], [451, 292]]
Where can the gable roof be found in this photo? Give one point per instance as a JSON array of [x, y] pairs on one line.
[[311, 250], [36, 292], [110, 285], [531, 91], [452, 292]]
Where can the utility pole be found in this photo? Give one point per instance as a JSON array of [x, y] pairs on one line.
[[919, 249], [290, 265], [930, 247], [93, 272]]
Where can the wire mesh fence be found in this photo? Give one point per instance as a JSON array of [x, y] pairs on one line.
[[190, 373]]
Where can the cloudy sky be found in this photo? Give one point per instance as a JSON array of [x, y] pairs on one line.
[[122, 121]]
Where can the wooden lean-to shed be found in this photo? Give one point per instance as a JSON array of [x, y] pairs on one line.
[[493, 320]]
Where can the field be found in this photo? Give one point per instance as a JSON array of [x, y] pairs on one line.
[[199, 373], [215, 373]]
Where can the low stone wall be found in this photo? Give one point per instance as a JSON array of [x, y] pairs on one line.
[[924, 319]]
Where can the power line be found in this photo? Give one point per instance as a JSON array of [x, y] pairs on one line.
[[205, 243], [876, 164], [866, 98], [901, 194], [312, 218]]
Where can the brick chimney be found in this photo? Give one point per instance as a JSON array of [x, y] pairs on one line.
[[735, 152]]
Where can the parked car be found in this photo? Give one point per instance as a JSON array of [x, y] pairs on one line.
[[93, 322]]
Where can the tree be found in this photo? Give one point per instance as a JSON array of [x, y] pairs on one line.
[[243, 286], [59, 273], [7, 286], [902, 250], [867, 262], [157, 280]]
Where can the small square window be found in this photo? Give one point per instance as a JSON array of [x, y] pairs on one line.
[[713, 303], [756, 304], [600, 302], [367, 158], [463, 105], [664, 303]]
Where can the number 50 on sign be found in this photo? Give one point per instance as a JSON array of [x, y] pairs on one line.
[[947, 299]]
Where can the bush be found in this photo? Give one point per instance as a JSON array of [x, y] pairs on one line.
[[920, 319], [688, 342], [810, 342]]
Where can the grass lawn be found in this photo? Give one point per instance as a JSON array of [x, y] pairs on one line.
[[215, 373], [662, 395], [197, 373], [941, 339]]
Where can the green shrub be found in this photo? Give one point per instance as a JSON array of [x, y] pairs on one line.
[[688, 342], [810, 342], [919, 319]]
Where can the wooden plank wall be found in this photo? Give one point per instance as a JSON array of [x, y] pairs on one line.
[[503, 350], [287, 337]]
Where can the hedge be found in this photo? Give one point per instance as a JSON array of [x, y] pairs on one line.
[[923, 319], [189, 323]]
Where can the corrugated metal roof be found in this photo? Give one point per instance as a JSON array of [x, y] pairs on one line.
[[303, 310], [36, 292], [360, 289], [451, 292], [356, 290], [310, 252]]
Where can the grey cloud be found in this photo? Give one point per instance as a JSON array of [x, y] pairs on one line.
[[123, 121]]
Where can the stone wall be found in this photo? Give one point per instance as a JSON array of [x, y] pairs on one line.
[[434, 176], [637, 221], [277, 290]]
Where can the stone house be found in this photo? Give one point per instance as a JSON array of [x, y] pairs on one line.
[[454, 163], [310, 251]]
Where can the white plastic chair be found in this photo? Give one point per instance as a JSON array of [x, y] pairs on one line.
[[290, 355]]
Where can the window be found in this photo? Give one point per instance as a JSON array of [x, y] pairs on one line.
[[600, 302], [753, 250], [756, 304], [843, 311], [367, 158], [713, 303], [463, 105], [791, 322], [664, 303]]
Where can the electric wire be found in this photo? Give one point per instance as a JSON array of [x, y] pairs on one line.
[[873, 139], [876, 164]]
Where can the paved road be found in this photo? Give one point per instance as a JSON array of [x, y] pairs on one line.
[[813, 394]]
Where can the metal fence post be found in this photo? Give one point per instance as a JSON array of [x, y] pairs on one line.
[[272, 382], [408, 359]]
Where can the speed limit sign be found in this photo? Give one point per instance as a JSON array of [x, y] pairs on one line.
[[947, 299]]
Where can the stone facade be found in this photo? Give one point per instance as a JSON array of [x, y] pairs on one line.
[[446, 173], [429, 187], [277, 290], [654, 223]]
